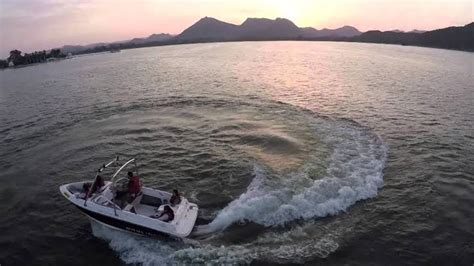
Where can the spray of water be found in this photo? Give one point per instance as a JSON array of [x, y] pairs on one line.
[[354, 171]]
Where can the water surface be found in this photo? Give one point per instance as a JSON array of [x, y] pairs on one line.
[[296, 152]]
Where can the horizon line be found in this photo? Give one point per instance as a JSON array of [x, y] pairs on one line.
[[177, 34]]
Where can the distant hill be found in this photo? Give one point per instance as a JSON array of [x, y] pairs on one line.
[[209, 29], [417, 31], [263, 28], [458, 38], [346, 31], [77, 48], [396, 37], [152, 39]]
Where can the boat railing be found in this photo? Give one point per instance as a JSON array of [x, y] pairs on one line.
[[108, 164], [121, 168], [98, 172], [112, 183]]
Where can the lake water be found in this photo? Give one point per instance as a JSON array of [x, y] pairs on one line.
[[295, 152]]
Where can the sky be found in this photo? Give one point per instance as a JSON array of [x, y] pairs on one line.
[[30, 25]]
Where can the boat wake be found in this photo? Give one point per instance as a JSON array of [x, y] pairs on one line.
[[345, 166], [293, 246], [355, 172]]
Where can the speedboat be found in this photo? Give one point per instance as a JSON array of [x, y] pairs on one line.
[[137, 215]]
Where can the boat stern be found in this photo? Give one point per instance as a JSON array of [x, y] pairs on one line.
[[187, 215]]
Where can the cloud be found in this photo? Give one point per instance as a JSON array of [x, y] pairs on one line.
[[29, 25]]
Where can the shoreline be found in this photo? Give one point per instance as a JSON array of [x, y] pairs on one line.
[[234, 41]]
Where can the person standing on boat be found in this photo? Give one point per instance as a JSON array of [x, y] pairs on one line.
[[129, 194], [133, 185]]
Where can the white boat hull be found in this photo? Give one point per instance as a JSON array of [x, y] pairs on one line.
[[135, 217]]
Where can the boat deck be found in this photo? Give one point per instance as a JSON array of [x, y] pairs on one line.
[[145, 210]]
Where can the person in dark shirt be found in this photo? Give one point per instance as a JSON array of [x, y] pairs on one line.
[[98, 184], [86, 187], [95, 187], [175, 198]]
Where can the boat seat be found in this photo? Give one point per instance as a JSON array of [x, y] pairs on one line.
[[134, 203]]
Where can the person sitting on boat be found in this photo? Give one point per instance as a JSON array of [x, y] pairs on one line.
[[167, 215], [86, 187], [98, 184], [91, 189], [175, 198]]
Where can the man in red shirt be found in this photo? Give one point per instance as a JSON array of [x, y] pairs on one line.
[[130, 192], [133, 185]]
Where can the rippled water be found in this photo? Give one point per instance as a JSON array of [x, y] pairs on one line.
[[296, 152]]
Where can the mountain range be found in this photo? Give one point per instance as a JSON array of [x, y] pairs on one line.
[[210, 29]]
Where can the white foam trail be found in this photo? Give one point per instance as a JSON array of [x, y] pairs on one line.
[[211, 255], [300, 252], [355, 172], [134, 249], [290, 247]]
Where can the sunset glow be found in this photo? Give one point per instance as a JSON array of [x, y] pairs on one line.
[[285, 9], [53, 23]]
